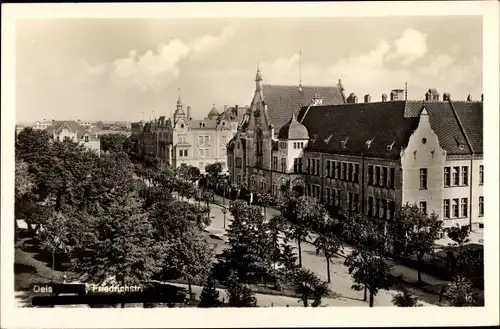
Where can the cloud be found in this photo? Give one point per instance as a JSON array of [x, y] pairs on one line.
[[154, 69], [411, 46], [373, 72]]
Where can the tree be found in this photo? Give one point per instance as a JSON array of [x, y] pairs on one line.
[[274, 227], [265, 200], [309, 286], [209, 295], [174, 219], [23, 191], [405, 299], [459, 235], [369, 270], [54, 236], [328, 244], [114, 143], [213, 171], [301, 213], [288, 259], [239, 295], [423, 230], [470, 264], [191, 256], [459, 292], [247, 251], [31, 144], [207, 196], [119, 243]]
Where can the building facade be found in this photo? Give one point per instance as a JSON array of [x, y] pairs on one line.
[[257, 157], [370, 157], [202, 142], [152, 141], [61, 130]]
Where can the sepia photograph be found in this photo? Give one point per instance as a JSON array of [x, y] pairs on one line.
[[243, 162]]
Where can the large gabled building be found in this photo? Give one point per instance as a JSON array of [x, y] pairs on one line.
[[251, 152], [61, 130], [369, 157]]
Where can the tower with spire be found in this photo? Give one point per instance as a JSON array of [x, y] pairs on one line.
[[179, 111]]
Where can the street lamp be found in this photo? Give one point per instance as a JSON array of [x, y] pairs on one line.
[[224, 211]]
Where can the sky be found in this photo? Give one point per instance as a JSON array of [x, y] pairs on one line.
[[124, 69]]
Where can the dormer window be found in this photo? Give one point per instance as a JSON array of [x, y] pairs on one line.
[[344, 142], [369, 142], [460, 142], [328, 139], [390, 146]]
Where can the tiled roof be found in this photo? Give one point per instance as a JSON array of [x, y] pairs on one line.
[[470, 115], [444, 123], [197, 124], [385, 123], [355, 124], [72, 126], [283, 100]]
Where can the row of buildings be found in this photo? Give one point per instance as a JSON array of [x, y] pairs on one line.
[[370, 157], [181, 140]]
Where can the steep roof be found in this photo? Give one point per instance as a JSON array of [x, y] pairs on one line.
[[355, 124], [293, 130], [358, 123], [283, 100], [213, 112], [470, 115], [444, 123], [198, 124], [72, 126]]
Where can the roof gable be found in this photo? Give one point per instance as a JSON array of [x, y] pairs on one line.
[[72, 126], [470, 115]]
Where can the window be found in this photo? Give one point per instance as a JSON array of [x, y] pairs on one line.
[[481, 205], [207, 139], [456, 176], [377, 176], [344, 171], [283, 164], [350, 175], [308, 165], [381, 208], [223, 140], [328, 168], [239, 178], [384, 177], [294, 145], [370, 206], [200, 140], [356, 202], [481, 174], [454, 208], [463, 206], [356, 173], [86, 138], [423, 206], [201, 166], [339, 198], [183, 153], [423, 178], [447, 178], [392, 178], [336, 169], [391, 209], [317, 167], [275, 163], [370, 175], [465, 175], [182, 138], [446, 208], [296, 168]]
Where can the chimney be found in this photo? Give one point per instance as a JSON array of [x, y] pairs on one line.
[[432, 95], [225, 108], [384, 97], [352, 99], [397, 94], [482, 97], [446, 97], [271, 128], [188, 110], [368, 98], [469, 98]]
